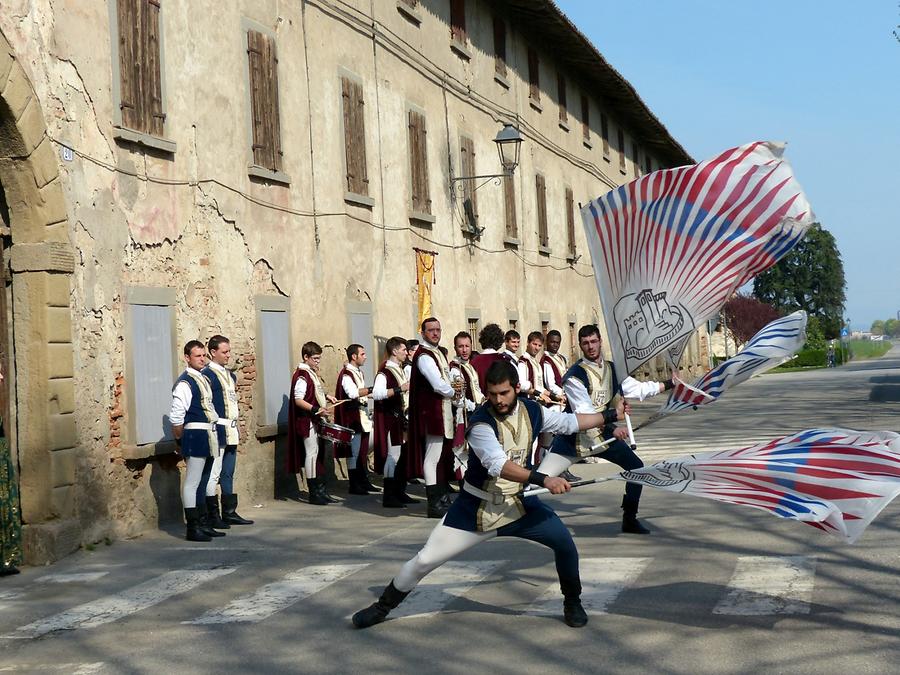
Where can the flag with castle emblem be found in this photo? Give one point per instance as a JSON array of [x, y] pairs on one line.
[[669, 248]]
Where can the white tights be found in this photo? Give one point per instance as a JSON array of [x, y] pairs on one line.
[[443, 544], [311, 446], [192, 480], [213, 482], [390, 462], [434, 445]]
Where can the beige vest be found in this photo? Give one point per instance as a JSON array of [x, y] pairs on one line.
[[472, 374], [399, 375], [537, 372], [600, 390], [364, 421], [229, 392], [317, 385], [446, 405]]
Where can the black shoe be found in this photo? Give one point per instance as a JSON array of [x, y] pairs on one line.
[[436, 506], [316, 488], [400, 487], [447, 495], [215, 520], [229, 511], [569, 476], [356, 485], [203, 519], [192, 526], [377, 612], [364, 482], [8, 570], [630, 523], [574, 614], [389, 499]]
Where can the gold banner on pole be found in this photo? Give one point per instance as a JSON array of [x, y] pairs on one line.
[[424, 281]]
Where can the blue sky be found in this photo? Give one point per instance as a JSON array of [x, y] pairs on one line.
[[820, 74]]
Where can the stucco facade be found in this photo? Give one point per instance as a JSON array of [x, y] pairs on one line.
[[101, 220]]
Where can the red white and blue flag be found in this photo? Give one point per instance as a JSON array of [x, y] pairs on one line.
[[774, 344], [669, 248], [836, 480]]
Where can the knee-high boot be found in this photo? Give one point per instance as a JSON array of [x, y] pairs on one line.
[[630, 523], [192, 526], [205, 525], [317, 491], [229, 511], [400, 488], [389, 499], [378, 611], [215, 518], [436, 507]]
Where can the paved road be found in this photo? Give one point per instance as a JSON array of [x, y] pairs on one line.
[[714, 589]]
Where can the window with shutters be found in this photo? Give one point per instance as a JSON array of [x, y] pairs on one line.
[[604, 134], [586, 120], [570, 224], [509, 210], [357, 178], [418, 163], [540, 185], [458, 35], [534, 78], [636, 158], [472, 327], [500, 48], [467, 168], [264, 114], [561, 95], [621, 137], [138, 77]]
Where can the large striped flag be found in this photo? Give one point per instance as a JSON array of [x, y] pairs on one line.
[[669, 248], [837, 480], [773, 345]]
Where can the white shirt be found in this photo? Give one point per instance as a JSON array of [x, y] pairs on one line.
[[407, 370], [632, 388], [181, 400], [349, 384], [429, 368], [483, 441], [512, 355], [380, 388], [550, 380], [578, 397], [524, 382]]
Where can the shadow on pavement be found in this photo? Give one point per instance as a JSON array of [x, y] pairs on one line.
[[882, 393]]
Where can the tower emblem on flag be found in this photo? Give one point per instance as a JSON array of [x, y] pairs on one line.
[[665, 474], [646, 322]]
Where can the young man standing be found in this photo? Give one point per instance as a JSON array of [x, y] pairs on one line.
[[353, 413], [390, 392], [491, 340], [511, 341]]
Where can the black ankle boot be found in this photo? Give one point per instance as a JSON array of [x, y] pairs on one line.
[[400, 487], [389, 499], [377, 612], [573, 613], [356, 486], [367, 484], [229, 511], [215, 520], [203, 518], [316, 487], [192, 526], [436, 507], [630, 523]]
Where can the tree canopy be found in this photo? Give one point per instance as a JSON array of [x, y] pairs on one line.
[[810, 277], [746, 316]]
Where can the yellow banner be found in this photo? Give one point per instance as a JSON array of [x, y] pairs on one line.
[[424, 280]]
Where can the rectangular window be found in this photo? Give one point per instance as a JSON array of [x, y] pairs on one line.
[[570, 222], [467, 168], [458, 20], [264, 100], [473, 329], [357, 180], [140, 76], [636, 152], [585, 118], [545, 328], [509, 206], [513, 324], [604, 133], [534, 77], [541, 196], [418, 163], [499, 46], [561, 90], [152, 366], [275, 357], [621, 137], [362, 333]]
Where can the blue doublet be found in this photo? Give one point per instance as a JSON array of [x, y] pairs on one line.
[[218, 399], [198, 442], [566, 445]]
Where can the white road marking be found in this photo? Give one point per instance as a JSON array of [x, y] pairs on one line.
[[69, 668], [602, 581], [448, 582], [279, 595], [70, 578], [114, 607], [763, 585]]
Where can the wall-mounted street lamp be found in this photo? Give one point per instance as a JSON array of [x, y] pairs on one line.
[[509, 143]]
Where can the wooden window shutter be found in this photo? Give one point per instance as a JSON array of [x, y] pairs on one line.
[[153, 107], [127, 12], [604, 132], [561, 89], [354, 137], [458, 20], [140, 78], [621, 149], [262, 150], [499, 46], [273, 123], [509, 203], [534, 80], [636, 157], [418, 162], [585, 118], [467, 167], [541, 193], [570, 221]]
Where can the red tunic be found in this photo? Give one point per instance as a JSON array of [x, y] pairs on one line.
[[426, 417], [481, 363], [558, 375], [390, 421], [299, 422], [346, 414]]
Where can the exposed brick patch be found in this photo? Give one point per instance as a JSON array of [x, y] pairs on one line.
[[245, 383], [116, 412]]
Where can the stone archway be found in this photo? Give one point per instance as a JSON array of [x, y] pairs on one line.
[[41, 263]]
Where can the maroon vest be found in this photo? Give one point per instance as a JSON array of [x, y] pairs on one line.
[[481, 363], [346, 414], [558, 375], [425, 404]]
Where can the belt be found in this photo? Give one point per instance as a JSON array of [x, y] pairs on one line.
[[495, 498], [200, 426], [227, 423]]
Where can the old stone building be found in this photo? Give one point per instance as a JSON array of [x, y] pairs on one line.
[[264, 169]]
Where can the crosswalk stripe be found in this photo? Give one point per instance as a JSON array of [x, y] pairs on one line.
[[69, 668], [70, 578], [279, 595], [448, 582], [129, 601], [602, 581], [763, 585]]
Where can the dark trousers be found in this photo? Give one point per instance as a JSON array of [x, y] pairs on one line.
[[542, 525], [620, 453], [204, 480], [226, 477]]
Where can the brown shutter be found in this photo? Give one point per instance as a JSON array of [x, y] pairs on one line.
[[153, 110], [621, 149], [604, 132], [467, 167], [585, 118], [509, 202], [273, 123], [458, 20], [570, 221], [561, 89], [500, 46], [541, 193], [359, 136], [256, 54], [534, 80], [418, 162], [129, 62]]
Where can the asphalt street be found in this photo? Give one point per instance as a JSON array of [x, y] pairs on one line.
[[714, 588]]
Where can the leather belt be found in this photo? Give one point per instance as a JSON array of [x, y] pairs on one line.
[[495, 498], [199, 426]]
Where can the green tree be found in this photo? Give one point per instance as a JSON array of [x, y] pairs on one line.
[[810, 277], [877, 327], [815, 338], [892, 328]]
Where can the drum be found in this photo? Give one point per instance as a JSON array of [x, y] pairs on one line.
[[335, 432]]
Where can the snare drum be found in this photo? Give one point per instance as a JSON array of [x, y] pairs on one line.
[[335, 433]]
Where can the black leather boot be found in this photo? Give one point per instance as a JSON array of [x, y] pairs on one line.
[[316, 488], [205, 526], [215, 520], [436, 507], [447, 494], [367, 484], [229, 511], [389, 499], [569, 476], [400, 487], [328, 497], [377, 612], [630, 523], [573, 613], [192, 527], [356, 486]]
